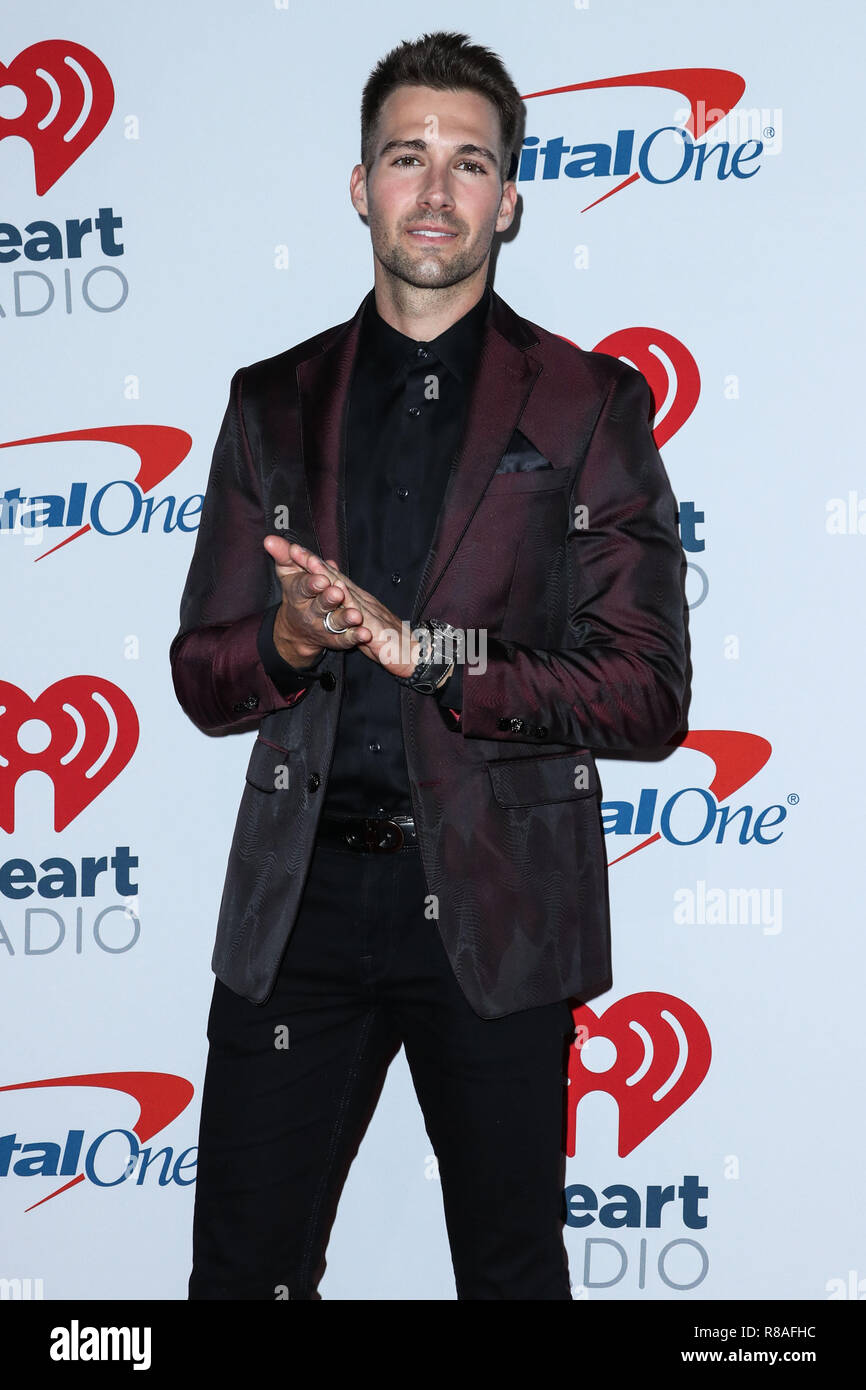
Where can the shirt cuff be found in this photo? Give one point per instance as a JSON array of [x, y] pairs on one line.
[[451, 693], [287, 678]]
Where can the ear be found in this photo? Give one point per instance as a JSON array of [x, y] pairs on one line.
[[358, 189], [507, 204]]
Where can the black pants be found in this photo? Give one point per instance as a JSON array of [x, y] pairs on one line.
[[291, 1085]]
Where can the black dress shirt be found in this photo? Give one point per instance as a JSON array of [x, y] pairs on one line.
[[407, 408]]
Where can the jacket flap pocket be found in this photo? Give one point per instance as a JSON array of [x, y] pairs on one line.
[[553, 777], [268, 768]]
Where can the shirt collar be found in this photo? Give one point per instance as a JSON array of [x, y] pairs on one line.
[[457, 348]]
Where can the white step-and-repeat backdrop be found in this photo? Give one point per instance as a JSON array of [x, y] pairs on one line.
[[175, 205]]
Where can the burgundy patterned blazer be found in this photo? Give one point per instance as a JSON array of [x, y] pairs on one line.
[[571, 565]]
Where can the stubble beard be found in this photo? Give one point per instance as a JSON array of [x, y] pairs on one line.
[[428, 270]]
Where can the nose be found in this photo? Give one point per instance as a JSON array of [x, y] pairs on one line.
[[436, 192]]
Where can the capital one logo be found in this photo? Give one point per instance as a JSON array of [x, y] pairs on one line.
[[81, 732], [661, 1054], [61, 97], [694, 814], [159, 450], [711, 93], [160, 1097]]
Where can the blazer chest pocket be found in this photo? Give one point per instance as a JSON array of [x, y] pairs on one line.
[[536, 480], [552, 777], [271, 768]]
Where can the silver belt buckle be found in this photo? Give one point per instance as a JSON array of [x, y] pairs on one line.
[[377, 836], [394, 837]]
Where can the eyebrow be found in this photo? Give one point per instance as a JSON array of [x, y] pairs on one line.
[[422, 145]]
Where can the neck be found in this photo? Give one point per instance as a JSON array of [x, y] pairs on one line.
[[423, 313]]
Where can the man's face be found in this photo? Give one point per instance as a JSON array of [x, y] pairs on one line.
[[434, 196]]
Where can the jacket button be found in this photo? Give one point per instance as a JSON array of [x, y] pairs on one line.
[[327, 680], [312, 781], [251, 702]]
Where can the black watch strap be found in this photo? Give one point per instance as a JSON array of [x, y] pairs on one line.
[[433, 666]]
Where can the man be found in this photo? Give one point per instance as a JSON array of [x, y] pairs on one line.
[[418, 857]]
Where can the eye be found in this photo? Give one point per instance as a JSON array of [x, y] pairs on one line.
[[400, 159], [476, 168]]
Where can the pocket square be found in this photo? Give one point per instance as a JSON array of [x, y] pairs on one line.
[[521, 456]]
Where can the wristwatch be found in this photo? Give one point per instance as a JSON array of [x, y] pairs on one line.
[[437, 659]]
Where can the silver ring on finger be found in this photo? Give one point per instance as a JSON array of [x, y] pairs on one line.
[[334, 630]]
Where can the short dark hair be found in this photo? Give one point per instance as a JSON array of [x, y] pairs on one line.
[[446, 62]]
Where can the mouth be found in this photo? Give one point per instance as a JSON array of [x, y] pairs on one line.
[[432, 235]]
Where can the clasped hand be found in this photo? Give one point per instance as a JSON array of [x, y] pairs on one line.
[[312, 588]]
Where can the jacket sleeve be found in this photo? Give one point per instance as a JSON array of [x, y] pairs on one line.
[[620, 682], [216, 665]]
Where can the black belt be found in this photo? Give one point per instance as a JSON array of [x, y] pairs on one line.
[[368, 834]]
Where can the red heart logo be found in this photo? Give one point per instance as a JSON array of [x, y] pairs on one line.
[[68, 97], [670, 369], [663, 1053], [671, 372], [93, 733]]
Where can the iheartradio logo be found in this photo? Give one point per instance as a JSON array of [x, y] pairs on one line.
[[662, 1054], [670, 370], [62, 96], [81, 732]]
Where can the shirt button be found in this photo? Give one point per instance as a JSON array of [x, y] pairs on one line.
[[395, 578], [421, 352], [402, 491], [374, 747], [312, 782], [414, 410]]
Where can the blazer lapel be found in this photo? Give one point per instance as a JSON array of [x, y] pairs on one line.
[[502, 385], [503, 382], [323, 392]]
